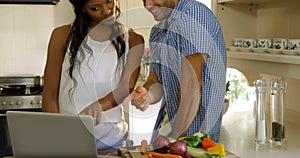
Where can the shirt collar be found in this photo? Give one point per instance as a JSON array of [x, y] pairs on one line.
[[180, 8]]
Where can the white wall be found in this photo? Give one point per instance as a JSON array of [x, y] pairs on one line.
[[63, 13], [136, 17], [24, 34], [25, 31], [206, 2]]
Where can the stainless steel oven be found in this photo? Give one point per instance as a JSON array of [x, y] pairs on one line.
[[17, 93]]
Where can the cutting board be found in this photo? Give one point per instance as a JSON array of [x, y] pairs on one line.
[[135, 153]]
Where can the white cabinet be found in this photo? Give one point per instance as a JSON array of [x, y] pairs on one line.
[[279, 65], [263, 19]]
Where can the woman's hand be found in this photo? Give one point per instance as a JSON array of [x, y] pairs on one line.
[[93, 110], [139, 97]]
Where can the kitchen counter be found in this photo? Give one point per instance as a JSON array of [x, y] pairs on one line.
[[238, 135]]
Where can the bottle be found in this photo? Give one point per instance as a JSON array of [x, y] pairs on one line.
[[261, 89], [277, 114]]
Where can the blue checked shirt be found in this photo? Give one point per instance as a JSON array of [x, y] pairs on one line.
[[191, 28]]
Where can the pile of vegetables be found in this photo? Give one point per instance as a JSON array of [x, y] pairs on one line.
[[198, 145]]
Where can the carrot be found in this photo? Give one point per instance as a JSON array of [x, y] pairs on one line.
[[207, 143], [160, 155], [143, 149]]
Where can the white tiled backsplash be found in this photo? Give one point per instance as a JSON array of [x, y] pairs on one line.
[[24, 34]]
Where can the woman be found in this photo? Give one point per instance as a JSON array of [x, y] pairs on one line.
[[92, 65]]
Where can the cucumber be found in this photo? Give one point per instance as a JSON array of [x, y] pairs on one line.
[[200, 153], [197, 152]]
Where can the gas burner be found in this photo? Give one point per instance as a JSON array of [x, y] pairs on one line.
[[12, 89], [20, 90], [21, 93]]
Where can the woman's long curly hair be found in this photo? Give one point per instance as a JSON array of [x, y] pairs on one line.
[[80, 30]]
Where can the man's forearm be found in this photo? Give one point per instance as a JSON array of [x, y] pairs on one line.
[[154, 88]]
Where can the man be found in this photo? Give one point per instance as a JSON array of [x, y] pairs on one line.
[[188, 68]]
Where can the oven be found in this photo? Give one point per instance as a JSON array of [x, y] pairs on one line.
[[17, 93]]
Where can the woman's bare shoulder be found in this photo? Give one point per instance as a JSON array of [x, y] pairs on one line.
[[62, 30], [59, 39], [135, 38], [59, 36]]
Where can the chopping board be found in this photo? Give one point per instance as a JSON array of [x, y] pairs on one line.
[[133, 153], [123, 152]]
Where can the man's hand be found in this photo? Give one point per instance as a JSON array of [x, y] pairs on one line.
[[139, 97], [93, 110]]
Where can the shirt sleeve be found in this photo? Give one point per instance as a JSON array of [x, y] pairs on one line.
[[196, 33]]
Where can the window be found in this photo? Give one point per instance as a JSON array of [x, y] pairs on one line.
[[241, 95]]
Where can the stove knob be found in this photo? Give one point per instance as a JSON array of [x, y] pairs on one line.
[[32, 102], [3, 103], [11, 103], [18, 102], [39, 104]]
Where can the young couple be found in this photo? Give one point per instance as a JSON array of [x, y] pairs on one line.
[[93, 65]]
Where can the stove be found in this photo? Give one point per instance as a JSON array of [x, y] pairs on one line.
[[17, 93], [21, 93]]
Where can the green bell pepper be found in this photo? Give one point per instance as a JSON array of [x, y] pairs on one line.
[[192, 141]]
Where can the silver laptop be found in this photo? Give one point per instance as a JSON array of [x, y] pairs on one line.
[[38, 134]]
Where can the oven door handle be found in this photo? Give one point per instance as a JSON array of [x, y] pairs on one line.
[[2, 115]]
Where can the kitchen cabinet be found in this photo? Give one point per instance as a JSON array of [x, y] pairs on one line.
[[262, 19]]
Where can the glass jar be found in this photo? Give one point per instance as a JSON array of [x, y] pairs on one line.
[[261, 90], [277, 114]]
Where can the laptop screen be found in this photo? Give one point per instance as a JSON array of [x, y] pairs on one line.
[[38, 134]]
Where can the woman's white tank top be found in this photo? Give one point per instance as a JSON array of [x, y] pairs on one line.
[[97, 75]]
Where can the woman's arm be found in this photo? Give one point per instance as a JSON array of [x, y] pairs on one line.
[[56, 50], [150, 93], [130, 74]]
